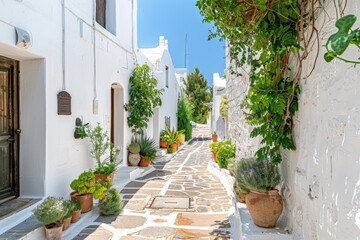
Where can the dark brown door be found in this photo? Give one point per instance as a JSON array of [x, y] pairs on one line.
[[9, 138]]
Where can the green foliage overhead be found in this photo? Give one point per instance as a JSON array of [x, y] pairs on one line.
[[112, 204], [263, 34], [226, 151], [253, 174], [144, 97], [184, 118], [197, 94], [340, 41], [224, 106]]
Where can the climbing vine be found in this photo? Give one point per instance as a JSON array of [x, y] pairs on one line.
[[266, 34]]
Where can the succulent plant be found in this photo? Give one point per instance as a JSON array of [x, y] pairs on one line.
[[134, 148]]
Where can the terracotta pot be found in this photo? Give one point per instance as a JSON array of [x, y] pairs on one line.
[[54, 232], [86, 199], [215, 156], [144, 162], [174, 146], [163, 144], [67, 222], [134, 159], [181, 139], [76, 216], [239, 195], [99, 176], [265, 208], [214, 137]]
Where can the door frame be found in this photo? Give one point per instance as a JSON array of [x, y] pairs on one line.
[[13, 65]]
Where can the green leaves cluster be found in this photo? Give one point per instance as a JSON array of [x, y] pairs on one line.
[[226, 151], [184, 118], [340, 41], [51, 211], [144, 97], [197, 94], [112, 205], [262, 34]]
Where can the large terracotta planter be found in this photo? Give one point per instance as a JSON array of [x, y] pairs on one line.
[[109, 177], [163, 144], [174, 146], [214, 137], [144, 162], [76, 216], [215, 156], [265, 208], [86, 199], [134, 159], [54, 232]]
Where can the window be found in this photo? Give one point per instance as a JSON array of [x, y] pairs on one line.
[[106, 14], [167, 76], [101, 12]]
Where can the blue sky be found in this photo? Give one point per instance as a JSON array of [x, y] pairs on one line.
[[173, 19]]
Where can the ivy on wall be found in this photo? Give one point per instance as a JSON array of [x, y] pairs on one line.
[[264, 34]]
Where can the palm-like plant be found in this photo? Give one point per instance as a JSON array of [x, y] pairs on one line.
[[147, 147], [172, 135]]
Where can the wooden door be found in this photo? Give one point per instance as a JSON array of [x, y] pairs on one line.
[[9, 132]]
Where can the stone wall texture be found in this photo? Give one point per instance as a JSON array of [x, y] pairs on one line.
[[321, 179]]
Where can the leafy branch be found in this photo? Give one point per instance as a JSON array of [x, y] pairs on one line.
[[341, 40]]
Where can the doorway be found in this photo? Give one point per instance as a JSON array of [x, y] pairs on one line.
[[9, 132], [117, 117]]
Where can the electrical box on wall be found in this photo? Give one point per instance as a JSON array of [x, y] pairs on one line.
[[96, 106]]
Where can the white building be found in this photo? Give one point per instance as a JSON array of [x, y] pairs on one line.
[[164, 71], [88, 50], [217, 121]]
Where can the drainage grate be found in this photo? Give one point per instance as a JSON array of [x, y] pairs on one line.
[[171, 202]]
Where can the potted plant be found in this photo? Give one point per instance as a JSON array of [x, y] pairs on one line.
[[77, 211], [84, 187], [214, 148], [51, 213], [111, 205], [68, 204], [226, 151], [147, 151], [172, 137], [181, 138], [240, 193], [214, 137], [134, 152], [259, 178], [163, 139], [101, 187], [104, 152]]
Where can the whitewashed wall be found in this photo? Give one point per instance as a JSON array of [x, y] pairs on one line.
[[321, 179], [50, 157], [158, 58]]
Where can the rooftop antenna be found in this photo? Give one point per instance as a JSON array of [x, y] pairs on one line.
[[186, 50]]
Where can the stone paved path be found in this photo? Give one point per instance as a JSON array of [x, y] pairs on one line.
[[202, 215]]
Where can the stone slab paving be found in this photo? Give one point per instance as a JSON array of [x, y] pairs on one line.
[[185, 175]]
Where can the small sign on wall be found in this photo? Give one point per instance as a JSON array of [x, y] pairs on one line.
[[64, 103]]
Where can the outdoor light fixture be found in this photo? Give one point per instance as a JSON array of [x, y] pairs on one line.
[[23, 38]]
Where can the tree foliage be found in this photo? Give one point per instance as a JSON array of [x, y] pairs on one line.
[[144, 97], [184, 118], [197, 93]]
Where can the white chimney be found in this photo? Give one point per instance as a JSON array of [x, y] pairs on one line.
[[161, 41]]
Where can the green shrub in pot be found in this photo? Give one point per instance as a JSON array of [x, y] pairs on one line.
[[225, 152]]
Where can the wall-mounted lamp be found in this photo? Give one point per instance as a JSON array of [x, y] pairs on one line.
[[23, 38], [80, 129]]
